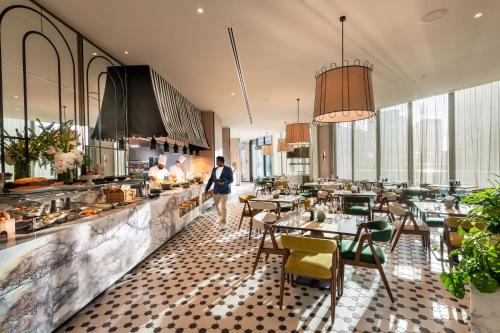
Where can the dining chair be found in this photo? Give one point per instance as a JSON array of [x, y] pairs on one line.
[[260, 186], [270, 243], [383, 205], [361, 252], [357, 205], [247, 212], [451, 237], [407, 224], [281, 185], [310, 257], [306, 191], [257, 207], [323, 196]]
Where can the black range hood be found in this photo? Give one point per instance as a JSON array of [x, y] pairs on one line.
[[152, 107]]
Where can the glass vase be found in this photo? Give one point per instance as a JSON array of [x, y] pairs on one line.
[[66, 177], [21, 170]]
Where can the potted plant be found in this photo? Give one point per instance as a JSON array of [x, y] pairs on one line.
[[479, 263]]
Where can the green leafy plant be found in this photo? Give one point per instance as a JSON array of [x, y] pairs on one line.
[[480, 251]]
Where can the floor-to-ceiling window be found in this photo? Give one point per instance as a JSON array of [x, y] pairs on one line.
[[344, 150], [394, 142], [365, 149], [477, 138], [430, 140]]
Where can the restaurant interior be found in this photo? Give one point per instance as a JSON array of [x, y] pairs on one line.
[[245, 165]]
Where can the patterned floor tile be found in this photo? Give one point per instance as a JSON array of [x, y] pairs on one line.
[[200, 281]]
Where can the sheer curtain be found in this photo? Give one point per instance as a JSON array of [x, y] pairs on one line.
[[477, 138], [394, 142], [430, 140], [365, 149], [344, 150]]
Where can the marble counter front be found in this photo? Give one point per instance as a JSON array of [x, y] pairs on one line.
[[48, 277]]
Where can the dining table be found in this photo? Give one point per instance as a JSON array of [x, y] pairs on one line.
[[280, 200], [434, 207], [335, 224]]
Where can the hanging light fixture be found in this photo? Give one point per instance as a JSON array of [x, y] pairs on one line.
[[166, 146], [267, 150], [185, 150], [344, 93], [176, 148], [298, 133], [152, 144], [283, 146], [121, 144]]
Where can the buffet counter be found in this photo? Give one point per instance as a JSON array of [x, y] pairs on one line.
[[49, 275]]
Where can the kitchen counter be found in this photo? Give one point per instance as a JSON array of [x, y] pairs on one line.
[[49, 275]]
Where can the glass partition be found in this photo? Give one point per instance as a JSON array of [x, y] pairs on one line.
[[477, 134], [430, 140], [394, 142], [344, 150], [365, 149]]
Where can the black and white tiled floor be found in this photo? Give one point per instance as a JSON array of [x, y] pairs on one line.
[[201, 281]]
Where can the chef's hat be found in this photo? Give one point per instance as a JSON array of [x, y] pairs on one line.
[[162, 160], [181, 159]]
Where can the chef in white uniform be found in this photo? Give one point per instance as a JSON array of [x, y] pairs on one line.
[[177, 171], [158, 172]]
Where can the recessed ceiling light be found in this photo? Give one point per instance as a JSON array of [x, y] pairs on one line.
[[94, 54], [233, 94], [200, 10], [478, 15], [434, 15], [126, 52], [15, 96]]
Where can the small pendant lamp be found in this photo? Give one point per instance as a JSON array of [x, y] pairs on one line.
[[298, 133], [283, 146], [152, 144], [267, 150], [344, 93]]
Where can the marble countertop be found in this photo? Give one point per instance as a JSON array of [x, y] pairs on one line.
[[22, 238]]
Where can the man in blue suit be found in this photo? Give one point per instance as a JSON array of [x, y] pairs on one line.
[[221, 177]]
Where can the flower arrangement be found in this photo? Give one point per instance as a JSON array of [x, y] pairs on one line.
[[61, 149], [15, 152]]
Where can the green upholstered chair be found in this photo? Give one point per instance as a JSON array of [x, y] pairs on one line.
[[246, 212], [310, 257], [306, 191], [433, 221], [357, 205], [361, 252]]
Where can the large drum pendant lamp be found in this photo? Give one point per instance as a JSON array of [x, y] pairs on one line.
[[283, 146], [267, 150], [344, 93], [298, 133]]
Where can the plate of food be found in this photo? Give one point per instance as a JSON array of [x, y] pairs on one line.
[[29, 209], [89, 212], [48, 219]]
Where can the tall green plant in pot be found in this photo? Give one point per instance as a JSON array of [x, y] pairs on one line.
[[479, 257]]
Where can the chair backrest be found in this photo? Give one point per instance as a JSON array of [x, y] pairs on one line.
[[322, 194], [455, 222], [306, 203], [331, 187], [263, 205], [246, 197], [306, 188], [376, 189], [308, 244], [390, 196], [396, 209], [262, 219], [381, 230]]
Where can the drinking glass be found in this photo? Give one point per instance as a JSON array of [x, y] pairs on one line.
[[302, 209]]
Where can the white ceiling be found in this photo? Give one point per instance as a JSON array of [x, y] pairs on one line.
[[282, 43]]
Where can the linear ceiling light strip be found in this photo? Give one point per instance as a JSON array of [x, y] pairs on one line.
[[239, 72]]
